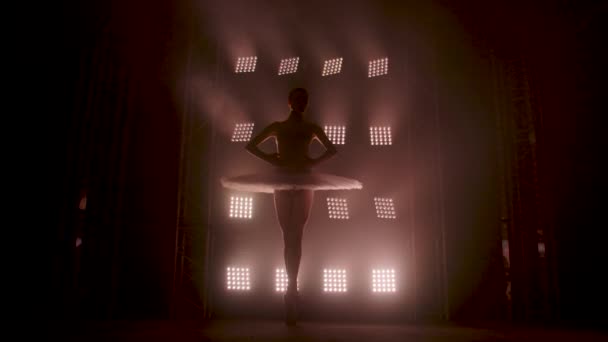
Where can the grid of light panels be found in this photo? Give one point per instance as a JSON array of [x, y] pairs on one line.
[[336, 134], [246, 64], [332, 66], [383, 280], [288, 65], [242, 132], [337, 208], [237, 279], [282, 281], [377, 67], [241, 207], [334, 280], [385, 208], [380, 135]]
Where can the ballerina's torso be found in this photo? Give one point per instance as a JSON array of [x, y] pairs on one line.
[[293, 138]]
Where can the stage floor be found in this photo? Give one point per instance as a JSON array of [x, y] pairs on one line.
[[268, 331]]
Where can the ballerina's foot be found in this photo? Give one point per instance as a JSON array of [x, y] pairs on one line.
[[291, 308]]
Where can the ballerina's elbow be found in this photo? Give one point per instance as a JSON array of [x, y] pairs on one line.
[[253, 150]]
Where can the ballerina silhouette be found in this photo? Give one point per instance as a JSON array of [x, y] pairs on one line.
[[292, 182]]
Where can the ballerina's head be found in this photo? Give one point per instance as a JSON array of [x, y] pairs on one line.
[[298, 100]]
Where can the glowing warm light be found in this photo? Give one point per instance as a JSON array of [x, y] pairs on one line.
[[380, 135], [385, 208], [241, 207], [242, 132], [246, 64], [541, 249], [334, 280], [338, 208], [237, 279], [289, 65], [383, 280], [83, 203], [377, 67], [336, 134], [281, 280], [332, 67]]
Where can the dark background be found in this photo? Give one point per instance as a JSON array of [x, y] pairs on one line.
[[116, 131]]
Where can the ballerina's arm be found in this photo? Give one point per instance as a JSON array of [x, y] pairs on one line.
[[330, 149], [267, 133]]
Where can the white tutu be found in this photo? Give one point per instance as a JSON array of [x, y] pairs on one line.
[[277, 179]]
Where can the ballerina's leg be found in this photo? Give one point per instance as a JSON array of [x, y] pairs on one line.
[[293, 208]]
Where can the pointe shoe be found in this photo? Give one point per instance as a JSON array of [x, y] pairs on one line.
[[291, 308]]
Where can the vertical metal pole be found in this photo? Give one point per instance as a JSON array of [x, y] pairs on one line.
[[412, 219], [185, 125], [438, 154], [208, 300], [503, 169]]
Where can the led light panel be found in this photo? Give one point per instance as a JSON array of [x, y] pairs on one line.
[[281, 280], [242, 132], [336, 134], [246, 64], [332, 67], [237, 279], [385, 208], [241, 207], [337, 208], [289, 65], [380, 135], [383, 280], [334, 280], [377, 67]]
